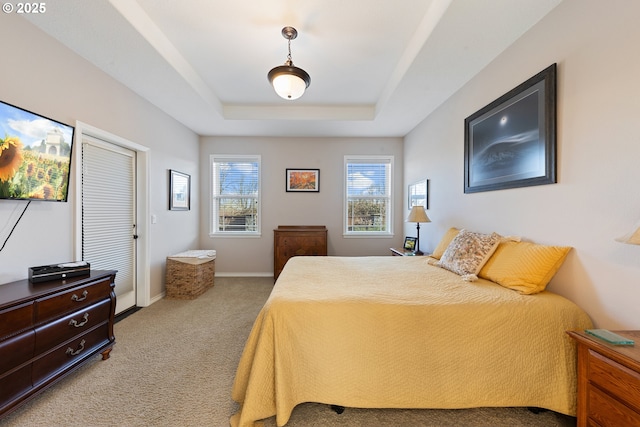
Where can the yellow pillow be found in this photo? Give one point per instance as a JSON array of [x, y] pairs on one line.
[[524, 266], [444, 242]]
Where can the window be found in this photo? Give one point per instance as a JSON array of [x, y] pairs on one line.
[[235, 202], [368, 195]]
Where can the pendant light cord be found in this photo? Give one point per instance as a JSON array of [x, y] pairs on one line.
[[14, 226]]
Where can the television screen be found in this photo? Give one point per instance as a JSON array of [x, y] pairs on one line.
[[35, 155]]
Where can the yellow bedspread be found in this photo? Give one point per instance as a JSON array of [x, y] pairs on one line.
[[396, 332]]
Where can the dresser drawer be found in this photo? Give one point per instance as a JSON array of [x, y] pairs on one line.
[[303, 245], [78, 322], [615, 378], [16, 319], [72, 300], [606, 411], [72, 352], [15, 351], [14, 385]]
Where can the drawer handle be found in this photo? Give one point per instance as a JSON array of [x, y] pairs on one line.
[[75, 297], [74, 322], [70, 351]]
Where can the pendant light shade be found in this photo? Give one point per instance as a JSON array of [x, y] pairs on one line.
[[287, 80]]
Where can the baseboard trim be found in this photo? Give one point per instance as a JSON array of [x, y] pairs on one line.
[[157, 298]]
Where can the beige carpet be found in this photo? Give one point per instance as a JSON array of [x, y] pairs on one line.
[[173, 365]]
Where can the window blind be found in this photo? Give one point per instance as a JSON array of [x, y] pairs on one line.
[[368, 195], [236, 194], [108, 211]]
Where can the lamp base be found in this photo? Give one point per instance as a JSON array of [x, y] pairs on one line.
[[418, 253]]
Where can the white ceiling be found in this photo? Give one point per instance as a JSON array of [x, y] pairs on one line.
[[378, 67]]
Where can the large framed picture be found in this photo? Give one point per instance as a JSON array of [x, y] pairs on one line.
[[303, 180], [179, 191], [512, 141]]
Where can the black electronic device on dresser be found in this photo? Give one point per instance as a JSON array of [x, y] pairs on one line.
[[49, 329], [45, 273]]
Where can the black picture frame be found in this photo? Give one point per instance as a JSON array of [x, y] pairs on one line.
[[179, 191], [410, 243], [511, 142], [302, 180]]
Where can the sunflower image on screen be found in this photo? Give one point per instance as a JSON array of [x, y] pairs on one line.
[[27, 173], [35, 156]]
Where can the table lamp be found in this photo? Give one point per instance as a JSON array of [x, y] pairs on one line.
[[418, 215]]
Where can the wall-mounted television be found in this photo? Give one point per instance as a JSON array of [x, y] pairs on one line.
[[35, 155]]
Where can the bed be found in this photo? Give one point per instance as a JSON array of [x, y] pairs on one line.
[[399, 332]]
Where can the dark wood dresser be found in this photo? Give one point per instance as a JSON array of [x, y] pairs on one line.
[[49, 329], [608, 381], [297, 240]]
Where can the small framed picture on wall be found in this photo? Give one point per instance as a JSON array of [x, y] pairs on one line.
[[179, 191], [303, 180], [419, 194]]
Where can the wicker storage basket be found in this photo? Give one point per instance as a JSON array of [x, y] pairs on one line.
[[190, 274]]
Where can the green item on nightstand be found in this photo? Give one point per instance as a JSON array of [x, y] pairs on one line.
[[610, 337]]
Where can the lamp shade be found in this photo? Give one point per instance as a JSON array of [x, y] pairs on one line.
[[632, 238], [289, 82], [418, 214]]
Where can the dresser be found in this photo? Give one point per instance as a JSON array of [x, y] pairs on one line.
[[49, 329], [608, 381], [297, 240]]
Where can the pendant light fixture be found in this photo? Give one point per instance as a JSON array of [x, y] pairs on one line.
[[289, 81]]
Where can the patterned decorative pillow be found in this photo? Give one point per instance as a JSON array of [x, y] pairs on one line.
[[468, 252]]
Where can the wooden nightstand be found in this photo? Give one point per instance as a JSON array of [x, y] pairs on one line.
[[401, 252], [608, 381]]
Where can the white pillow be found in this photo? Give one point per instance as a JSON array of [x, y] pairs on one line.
[[468, 252]]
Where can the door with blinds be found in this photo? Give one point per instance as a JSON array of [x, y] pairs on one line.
[[108, 214]]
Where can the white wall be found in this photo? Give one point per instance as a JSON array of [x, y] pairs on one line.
[[596, 198], [69, 90], [255, 255]]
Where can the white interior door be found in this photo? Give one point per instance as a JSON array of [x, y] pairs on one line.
[[109, 214]]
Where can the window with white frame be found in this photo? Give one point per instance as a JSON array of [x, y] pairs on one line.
[[368, 195], [235, 200]]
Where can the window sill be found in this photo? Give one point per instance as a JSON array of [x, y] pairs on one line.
[[367, 235], [235, 235]]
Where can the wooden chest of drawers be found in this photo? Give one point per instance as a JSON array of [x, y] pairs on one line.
[[297, 240], [51, 328], [608, 381]]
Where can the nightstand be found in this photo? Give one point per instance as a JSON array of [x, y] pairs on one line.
[[401, 252], [608, 381]]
